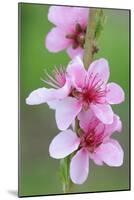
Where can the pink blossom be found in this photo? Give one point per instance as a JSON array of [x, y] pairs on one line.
[[77, 90], [89, 90], [93, 142], [69, 31]]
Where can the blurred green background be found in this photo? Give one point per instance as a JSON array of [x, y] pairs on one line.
[[38, 173]]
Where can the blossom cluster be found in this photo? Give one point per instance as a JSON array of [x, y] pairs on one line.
[[82, 95]]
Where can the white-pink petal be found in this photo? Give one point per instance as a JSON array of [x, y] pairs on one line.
[[103, 112], [79, 167], [115, 126], [39, 96], [118, 126], [64, 91], [115, 94], [66, 111], [85, 119], [101, 69], [111, 153], [43, 95], [64, 144], [56, 40], [96, 158], [53, 104], [58, 15], [77, 72]]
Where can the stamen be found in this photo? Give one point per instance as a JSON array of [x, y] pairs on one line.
[[50, 83], [50, 77], [92, 81], [59, 77]]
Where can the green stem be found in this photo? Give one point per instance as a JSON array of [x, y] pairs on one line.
[[64, 173], [89, 40]]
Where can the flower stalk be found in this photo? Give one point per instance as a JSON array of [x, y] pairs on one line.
[[64, 174]]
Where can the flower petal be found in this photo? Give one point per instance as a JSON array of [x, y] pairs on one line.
[[64, 144], [96, 158], [39, 96], [79, 167], [115, 126], [64, 91], [56, 40], [111, 153], [66, 111], [101, 69], [53, 104], [115, 93], [77, 72], [75, 52], [103, 112], [42, 95], [58, 15], [86, 118]]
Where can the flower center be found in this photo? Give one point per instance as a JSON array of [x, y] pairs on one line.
[[93, 91], [78, 37], [92, 140]]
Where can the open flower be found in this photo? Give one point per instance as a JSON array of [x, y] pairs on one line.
[[94, 143], [77, 90], [70, 30], [89, 91]]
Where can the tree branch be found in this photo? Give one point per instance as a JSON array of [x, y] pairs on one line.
[[89, 40]]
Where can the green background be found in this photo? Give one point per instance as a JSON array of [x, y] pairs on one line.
[[38, 172]]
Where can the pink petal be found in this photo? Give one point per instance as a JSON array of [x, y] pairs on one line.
[[53, 104], [75, 52], [101, 69], [115, 126], [64, 91], [96, 158], [103, 112], [39, 96], [58, 15], [85, 119], [42, 95], [111, 153], [64, 144], [118, 123], [77, 72], [56, 40], [66, 111], [79, 167], [99, 128], [115, 94]]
